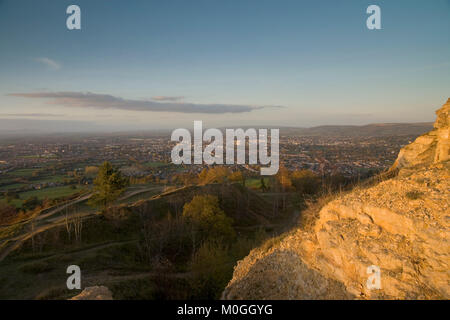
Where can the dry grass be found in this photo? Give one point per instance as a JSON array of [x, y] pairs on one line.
[[309, 216]]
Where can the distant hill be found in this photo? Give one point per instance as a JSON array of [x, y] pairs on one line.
[[377, 129], [25, 128]]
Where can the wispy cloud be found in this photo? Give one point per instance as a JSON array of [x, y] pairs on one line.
[[105, 101], [167, 98], [50, 63], [37, 115]]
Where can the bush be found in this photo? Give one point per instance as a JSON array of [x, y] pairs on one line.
[[217, 174], [169, 238], [208, 219], [36, 267], [306, 182], [210, 270], [134, 289], [31, 203], [7, 213]]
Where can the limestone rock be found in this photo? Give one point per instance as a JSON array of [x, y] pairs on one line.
[[94, 293], [431, 147], [401, 225]]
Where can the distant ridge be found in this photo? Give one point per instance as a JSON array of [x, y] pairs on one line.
[[30, 127], [376, 129]]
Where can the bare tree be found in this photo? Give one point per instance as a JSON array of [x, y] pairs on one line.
[[32, 235], [68, 225], [77, 227]]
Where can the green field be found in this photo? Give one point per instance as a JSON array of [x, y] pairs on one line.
[[51, 178], [155, 164], [49, 193], [22, 173], [255, 183], [26, 180], [13, 186]]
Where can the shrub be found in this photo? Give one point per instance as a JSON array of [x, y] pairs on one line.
[[213, 175], [7, 213], [207, 218], [306, 182], [31, 203], [36, 267], [168, 238], [210, 270]]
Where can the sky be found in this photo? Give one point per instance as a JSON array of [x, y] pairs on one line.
[[151, 64]]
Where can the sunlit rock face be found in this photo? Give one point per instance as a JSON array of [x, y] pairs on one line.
[[400, 225], [432, 147]]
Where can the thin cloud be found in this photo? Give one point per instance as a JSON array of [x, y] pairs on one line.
[[167, 98], [31, 115], [52, 64], [105, 101]]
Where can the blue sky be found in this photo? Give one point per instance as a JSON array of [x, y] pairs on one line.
[[163, 64]]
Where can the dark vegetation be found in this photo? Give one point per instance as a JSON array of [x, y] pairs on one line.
[[180, 244]]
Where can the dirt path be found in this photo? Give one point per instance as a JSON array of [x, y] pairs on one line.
[[48, 220], [15, 242], [88, 249], [59, 209], [134, 193], [56, 209]]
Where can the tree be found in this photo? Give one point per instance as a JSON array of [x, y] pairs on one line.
[[31, 203], [284, 179], [90, 171], [283, 184], [7, 213], [208, 220], [108, 185], [10, 196], [217, 174], [306, 182], [263, 185], [237, 176]]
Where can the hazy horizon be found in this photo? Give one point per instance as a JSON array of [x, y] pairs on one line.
[[26, 127]]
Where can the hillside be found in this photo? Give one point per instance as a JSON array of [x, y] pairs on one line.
[[139, 250], [243, 205], [400, 225]]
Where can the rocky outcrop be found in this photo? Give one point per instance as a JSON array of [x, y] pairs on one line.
[[94, 293], [400, 226], [432, 147]]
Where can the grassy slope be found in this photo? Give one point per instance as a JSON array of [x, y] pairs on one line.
[[108, 254]]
